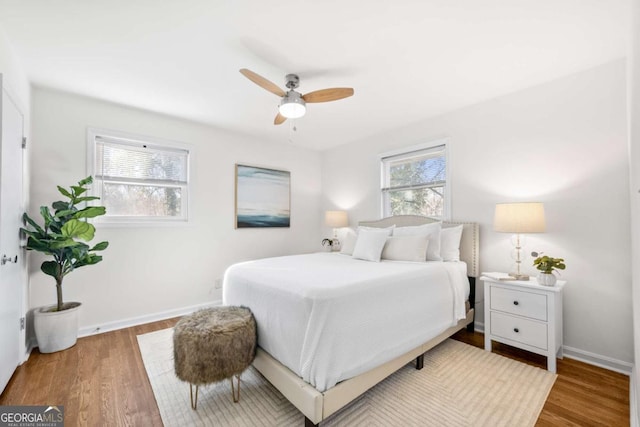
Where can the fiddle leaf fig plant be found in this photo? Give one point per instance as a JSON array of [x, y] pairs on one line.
[[547, 264], [63, 234]]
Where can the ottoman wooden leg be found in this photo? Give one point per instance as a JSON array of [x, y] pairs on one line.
[[194, 403], [236, 398]]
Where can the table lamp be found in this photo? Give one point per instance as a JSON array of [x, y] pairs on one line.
[[518, 219], [336, 219]]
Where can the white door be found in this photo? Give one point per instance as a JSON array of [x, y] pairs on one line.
[[12, 263]]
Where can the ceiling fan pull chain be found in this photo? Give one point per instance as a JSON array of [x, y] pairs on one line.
[[292, 130]]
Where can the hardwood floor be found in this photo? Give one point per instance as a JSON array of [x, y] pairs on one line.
[[102, 381], [583, 394]]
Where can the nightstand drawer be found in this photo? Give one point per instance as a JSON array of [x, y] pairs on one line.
[[522, 303], [518, 329]]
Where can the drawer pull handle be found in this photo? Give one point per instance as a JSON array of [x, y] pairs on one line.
[[516, 303], [516, 330]]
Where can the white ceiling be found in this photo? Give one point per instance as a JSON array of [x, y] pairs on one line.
[[407, 60]]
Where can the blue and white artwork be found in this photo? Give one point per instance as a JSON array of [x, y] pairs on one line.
[[262, 197]]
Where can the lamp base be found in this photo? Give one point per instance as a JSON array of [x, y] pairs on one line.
[[516, 276]]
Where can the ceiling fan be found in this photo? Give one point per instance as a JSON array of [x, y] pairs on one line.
[[293, 104]]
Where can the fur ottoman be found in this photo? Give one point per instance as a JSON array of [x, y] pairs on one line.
[[213, 344]]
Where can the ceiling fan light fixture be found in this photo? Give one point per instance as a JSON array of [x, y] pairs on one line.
[[292, 105]]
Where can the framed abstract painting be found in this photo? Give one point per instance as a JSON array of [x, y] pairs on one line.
[[263, 197]]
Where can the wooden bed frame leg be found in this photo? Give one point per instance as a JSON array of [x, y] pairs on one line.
[[420, 362], [309, 423]]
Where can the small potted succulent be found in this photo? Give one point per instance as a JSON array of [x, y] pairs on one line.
[[547, 266], [331, 244]]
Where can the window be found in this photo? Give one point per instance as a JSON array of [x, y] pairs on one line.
[[139, 179], [414, 182]]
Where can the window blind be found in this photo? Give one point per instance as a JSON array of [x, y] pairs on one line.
[[117, 160], [139, 179]]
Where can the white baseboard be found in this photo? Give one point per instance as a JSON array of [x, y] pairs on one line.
[[140, 320], [633, 402], [31, 344], [599, 360], [569, 352], [587, 357]]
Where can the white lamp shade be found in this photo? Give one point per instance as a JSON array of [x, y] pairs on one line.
[[336, 219], [527, 217]]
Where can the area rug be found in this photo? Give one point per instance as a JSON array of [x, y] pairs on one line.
[[460, 385]]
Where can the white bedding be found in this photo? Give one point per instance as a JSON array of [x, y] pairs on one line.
[[329, 317]]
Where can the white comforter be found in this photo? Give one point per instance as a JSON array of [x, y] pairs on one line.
[[329, 317]]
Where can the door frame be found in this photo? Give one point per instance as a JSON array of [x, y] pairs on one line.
[[24, 346]]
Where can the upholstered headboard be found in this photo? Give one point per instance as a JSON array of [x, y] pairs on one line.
[[469, 244]]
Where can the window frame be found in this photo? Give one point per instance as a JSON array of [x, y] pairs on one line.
[[408, 151], [155, 143]]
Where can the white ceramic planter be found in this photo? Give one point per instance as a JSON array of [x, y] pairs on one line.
[[57, 330], [547, 279]]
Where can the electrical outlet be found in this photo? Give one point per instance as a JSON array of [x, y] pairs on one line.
[[217, 284]]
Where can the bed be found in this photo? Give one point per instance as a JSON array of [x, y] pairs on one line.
[[330, 326]]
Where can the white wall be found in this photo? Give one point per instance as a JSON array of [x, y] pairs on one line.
[[155, 269], [562, 143], [633, 71]]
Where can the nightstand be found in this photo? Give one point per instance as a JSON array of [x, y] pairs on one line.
[[523, 314]]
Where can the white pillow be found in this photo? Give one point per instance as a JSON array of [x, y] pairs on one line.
[[432, 229], [450, 243], [349, 242], [406, 248], [369, 244], [350, 238], [389, 228]]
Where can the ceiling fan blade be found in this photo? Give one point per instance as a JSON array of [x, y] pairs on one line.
[[326, 95], [262, 82], [279, 119]]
